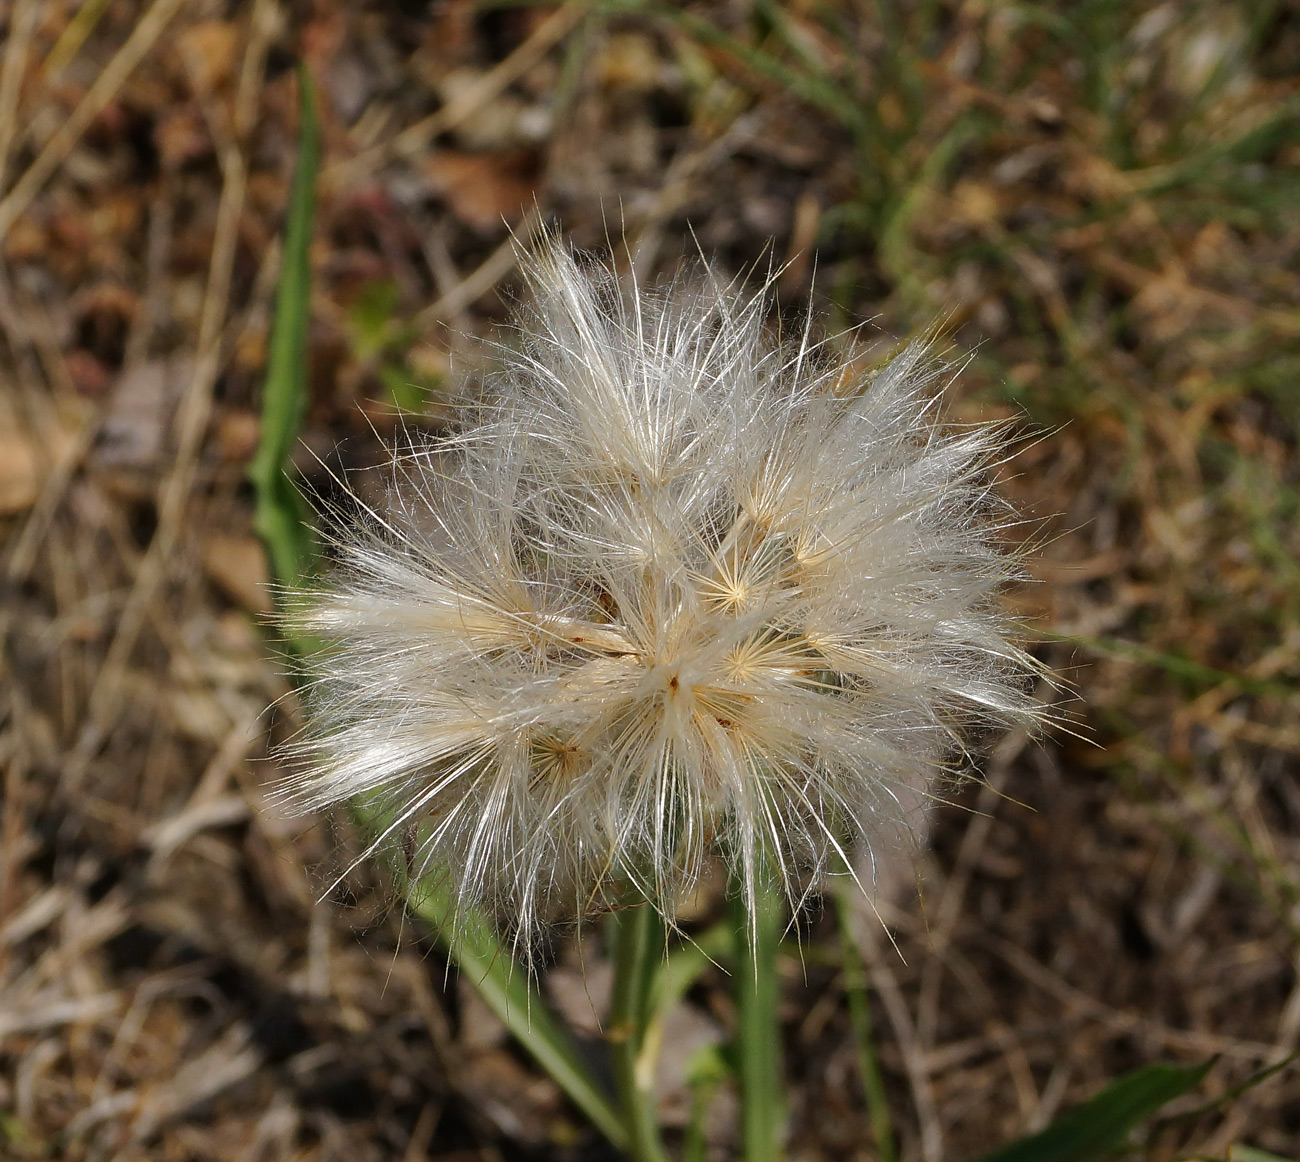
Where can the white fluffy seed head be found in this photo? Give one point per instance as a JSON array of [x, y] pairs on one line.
[[676, 589]]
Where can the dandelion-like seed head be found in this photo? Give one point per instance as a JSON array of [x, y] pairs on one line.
[[676, 588]]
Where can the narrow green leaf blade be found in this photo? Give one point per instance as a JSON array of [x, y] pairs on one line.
[[280, 520], [757, 993], [504, 986], [1239, 1153], [638, 947], [1101, 1125], [280, 517], [678, 971]]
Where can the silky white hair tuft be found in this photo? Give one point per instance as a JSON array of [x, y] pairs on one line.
[[674, 588]]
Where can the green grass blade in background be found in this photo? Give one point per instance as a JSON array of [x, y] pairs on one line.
[[639, 942], [757, 990], [281, 521], [1224, 1100], [1100, 1126], [706, 1073], [1251, 1154], [683, 966], [280, 517], [504, 987]]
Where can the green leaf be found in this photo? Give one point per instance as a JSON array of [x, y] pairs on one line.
[[503, 985], [1239, 1153], [682, 967], [1098, 1127], [281, 521], [280, 517], [706, 1071], [638, 949], [371, 325], [757, 991]]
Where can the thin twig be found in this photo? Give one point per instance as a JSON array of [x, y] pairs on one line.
[[954, 889], [191, 423], [262, 27], [22, 24], [476, 284], [33, 349], [105, 88], [1125, 1022], [864, 935], [416, 138]]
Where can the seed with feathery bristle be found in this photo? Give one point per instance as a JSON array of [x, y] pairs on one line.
[[673, 589]]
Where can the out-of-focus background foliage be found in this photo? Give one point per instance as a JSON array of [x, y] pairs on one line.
[[1100, 199]]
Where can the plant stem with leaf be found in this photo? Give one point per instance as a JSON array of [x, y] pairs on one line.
[[758, 1039], [638, 949], [280, 520]]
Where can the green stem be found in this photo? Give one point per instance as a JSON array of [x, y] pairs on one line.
[[695, 1143], [758, 1042], [279, 515], [638, 947], [291, 549], [506, 989]]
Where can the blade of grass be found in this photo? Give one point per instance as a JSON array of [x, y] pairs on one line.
[[280, 520], [74, 35], [638, 953], [705, 1074], [682, 968], [503, 985], [1172, 664], [1224, 1100], [814, 88], [1099, 1126], [758, 1033], [1257, 144], [280, 516]]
